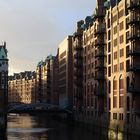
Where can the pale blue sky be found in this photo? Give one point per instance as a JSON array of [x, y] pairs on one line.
[[34, 28]]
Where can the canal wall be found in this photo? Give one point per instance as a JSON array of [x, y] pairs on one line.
[[3, 123], [111, 129]]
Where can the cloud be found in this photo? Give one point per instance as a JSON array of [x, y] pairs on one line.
[[34, 28]]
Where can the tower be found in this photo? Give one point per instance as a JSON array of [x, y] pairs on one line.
[[3, 84]]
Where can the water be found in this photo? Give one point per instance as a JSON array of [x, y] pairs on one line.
[[43, 127]]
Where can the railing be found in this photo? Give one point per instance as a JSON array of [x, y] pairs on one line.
[[133, 20], [99, 13], [36, 107], [99, 92], [100, 66], [78, 47], [134, 68], [136, 111], [133, 4], [78, 64], [100, 54], [133, 36], [78, 83], [133, 52], [99, 77], [133, 89], [77, 34], [99, 43], [78, 56], [79, 95], [78, 73], [100, 30]]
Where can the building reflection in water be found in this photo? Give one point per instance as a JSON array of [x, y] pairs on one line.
[[3, 136], [25, 127], [43, 127]]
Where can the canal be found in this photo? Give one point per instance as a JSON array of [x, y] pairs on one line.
[[43, 127]]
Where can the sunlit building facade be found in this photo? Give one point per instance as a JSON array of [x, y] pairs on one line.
[[110, 60], [55, 94], [22, 88], [41, 82], [50, 77], [44, 85], [65, 75], [123, 35]]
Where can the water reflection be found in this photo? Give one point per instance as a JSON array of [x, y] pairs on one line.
[[43, 127], [3, 136], [26, 127]]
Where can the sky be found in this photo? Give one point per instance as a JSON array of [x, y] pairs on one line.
[[33, 29]]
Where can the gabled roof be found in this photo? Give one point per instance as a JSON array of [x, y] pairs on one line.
[[40, 63], [49, 57], [3, 51]]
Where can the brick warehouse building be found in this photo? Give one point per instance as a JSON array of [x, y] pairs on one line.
[[96, 70]]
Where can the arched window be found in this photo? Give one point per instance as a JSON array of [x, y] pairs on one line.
[[108, 18], [109, 104], [88, 88], [114, 85], [95, 89], [121, 84], [95, 103], [114, 92], [128, 103], [121, 91], [127, 83], [109, 86], [91, 88]]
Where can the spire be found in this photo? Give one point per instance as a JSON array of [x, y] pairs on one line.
[[3, 51]]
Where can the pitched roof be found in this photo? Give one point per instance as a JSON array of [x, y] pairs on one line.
[[3, 51]]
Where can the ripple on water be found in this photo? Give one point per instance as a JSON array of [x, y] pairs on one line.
[[28, 130]]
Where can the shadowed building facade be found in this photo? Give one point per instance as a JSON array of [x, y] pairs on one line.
[[3, 85], [89, 99], [89, 69], [77, 50], [100, 58], [133, 61]]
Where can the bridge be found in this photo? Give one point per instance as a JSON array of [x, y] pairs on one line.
[[36, 107]]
